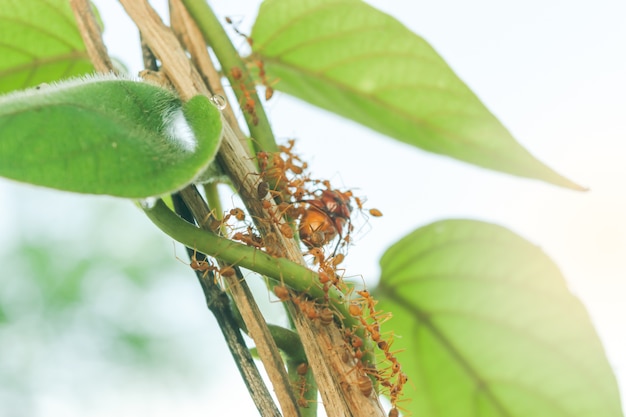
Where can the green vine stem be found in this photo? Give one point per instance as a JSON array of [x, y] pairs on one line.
[[281, 270], [220, 43], [213, 199], [288, 342], [295, 276]]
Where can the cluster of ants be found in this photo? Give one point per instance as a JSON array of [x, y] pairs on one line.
[[320, 216]]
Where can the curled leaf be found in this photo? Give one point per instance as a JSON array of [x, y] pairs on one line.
[[103, 135]]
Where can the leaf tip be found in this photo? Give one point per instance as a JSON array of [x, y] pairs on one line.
[[562, 181]]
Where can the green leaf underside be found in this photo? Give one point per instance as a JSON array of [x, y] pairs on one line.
[[487, 328], [351, 59], [110, 137], [39, 42]]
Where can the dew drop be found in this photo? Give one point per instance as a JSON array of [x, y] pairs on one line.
[[148, 203], [219, 101]]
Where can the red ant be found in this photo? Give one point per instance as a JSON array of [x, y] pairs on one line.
[[309, 308], [250, 238], [206, 267], [302, 370], [269, 91], [263, 158], [286, 230], [247, 38], [249, 103], [365, 385], [326, 315], [237, 213], [318, 255], [281, 292]]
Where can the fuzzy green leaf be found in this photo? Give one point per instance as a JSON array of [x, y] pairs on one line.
[[487, 328], [40, 42], [351, 59], [107, 136]]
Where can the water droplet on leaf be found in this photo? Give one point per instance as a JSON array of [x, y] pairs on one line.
[[219, 101]]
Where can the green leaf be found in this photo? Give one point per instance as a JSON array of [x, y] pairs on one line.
[[40, 43], [103, 135], [351, 59], [487, 327]]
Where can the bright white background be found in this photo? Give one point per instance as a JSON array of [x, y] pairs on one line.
[[552, 72]]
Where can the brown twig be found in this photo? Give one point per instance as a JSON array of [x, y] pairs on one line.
[[92, 37], [190, 36]]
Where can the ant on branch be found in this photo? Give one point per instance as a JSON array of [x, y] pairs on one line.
[[269, 90], [249, 105], [206, 267]]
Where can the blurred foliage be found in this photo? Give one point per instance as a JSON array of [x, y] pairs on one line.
[[82, 311]]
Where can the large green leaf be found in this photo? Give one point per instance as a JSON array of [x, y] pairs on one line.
[[488, 328], [107, 136], [351, 59], [39, 42]]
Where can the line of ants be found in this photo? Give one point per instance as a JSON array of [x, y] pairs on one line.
[[372, 328], [248, 103], [355, 343]]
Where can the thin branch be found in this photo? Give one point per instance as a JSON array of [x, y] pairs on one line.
[[92, 37], [218, 303], [295, 276], [149, 60], [253, 318], [190, 36]]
